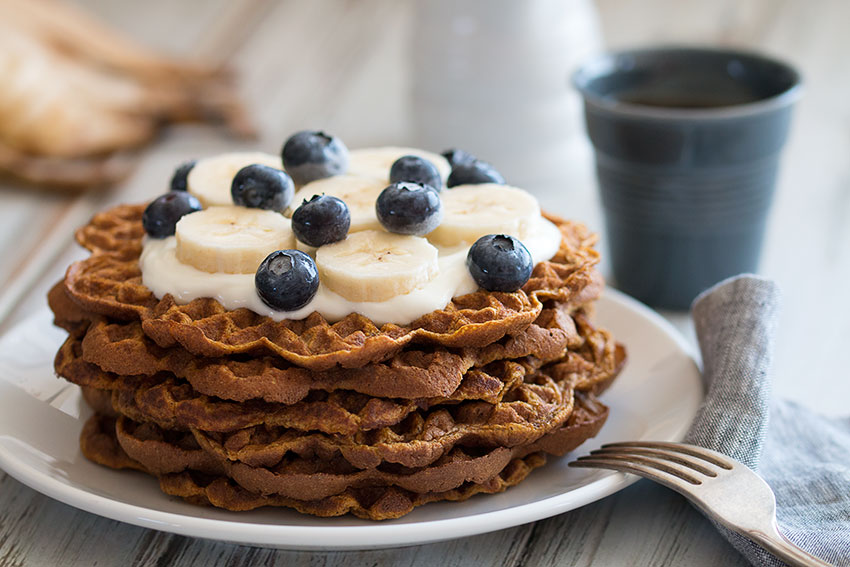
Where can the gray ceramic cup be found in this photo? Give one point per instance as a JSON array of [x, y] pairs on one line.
[[687, 145]]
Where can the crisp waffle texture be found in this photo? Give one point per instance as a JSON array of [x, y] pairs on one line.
[[233, 409]]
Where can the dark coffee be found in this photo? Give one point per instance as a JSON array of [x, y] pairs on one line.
[[675, 98], [686, 79]]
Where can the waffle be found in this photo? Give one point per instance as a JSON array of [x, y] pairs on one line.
[[320, 487], [151, 388], [236, 410], [391, 432], [100, 444], [311, 477], [108, 283], [123, 348]]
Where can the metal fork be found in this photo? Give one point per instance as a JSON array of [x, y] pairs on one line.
[[723, 488]]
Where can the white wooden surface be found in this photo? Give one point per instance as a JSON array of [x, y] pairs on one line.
[[341, 65]]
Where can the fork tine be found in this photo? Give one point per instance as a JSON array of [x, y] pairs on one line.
[[713, 457], [659, 472], [673, 456]]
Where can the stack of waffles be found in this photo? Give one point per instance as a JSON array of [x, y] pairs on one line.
[[234, 409]]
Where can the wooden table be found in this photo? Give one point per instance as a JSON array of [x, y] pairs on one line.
[[352, 80]]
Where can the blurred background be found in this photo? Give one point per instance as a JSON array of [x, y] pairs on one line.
[[490, 76]]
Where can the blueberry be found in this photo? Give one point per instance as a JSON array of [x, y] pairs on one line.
[[499, 262], [474, 172], [287, 280], [455, 156], [310, 155], [178, 180], [321, 220], [262, 187], [162, 214], [416, 170], [409, 208]]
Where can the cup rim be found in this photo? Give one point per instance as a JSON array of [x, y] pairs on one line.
[[598, 64]]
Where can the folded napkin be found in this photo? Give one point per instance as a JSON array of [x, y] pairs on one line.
[[805, 458]]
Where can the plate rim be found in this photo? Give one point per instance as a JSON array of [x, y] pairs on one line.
[[372, 536]]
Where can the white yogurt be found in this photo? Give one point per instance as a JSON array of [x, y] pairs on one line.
[[162, 273]]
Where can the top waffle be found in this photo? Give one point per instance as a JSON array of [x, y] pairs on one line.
[[109, 283]]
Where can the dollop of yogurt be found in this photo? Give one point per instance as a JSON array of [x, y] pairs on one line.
[[163, 274]]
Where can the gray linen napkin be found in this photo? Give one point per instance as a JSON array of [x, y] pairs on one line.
[[805, 458]]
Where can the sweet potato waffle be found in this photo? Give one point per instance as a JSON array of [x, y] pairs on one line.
[[201, 481], [123, 348], [503, 404], [236, 410], [109, 283], [99, 443]]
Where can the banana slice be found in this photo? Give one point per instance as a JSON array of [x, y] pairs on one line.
[[374, 265], [359, 193], [471, 211], [233, 240], [376, 162], [211, 177]]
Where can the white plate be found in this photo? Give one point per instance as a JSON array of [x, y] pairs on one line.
[[656, 397]]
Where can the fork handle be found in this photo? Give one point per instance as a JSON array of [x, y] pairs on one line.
[[776, 543]]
